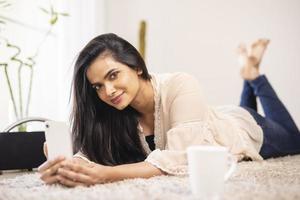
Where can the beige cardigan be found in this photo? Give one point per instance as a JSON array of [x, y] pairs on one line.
[[182, 118]]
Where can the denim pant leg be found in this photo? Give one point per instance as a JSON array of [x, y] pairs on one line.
[[277, 141], [281, 135], [248, 98], [271, 104]]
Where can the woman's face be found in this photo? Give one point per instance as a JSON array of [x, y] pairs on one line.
[[115, 83]]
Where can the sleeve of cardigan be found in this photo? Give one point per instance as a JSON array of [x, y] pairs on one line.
[[79, 154], [185, 100], [188, 119], [173, 160]]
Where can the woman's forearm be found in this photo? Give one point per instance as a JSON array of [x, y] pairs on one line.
[[135, 170]]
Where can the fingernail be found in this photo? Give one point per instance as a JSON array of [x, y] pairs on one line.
[[40, 167]]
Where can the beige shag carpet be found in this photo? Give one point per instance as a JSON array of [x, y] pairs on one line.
[[270, 179]]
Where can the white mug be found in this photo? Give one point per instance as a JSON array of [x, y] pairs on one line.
[[209, 167]]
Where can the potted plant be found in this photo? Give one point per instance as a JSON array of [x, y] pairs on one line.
[[21, 149]]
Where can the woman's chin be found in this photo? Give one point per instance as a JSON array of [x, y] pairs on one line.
[[120, 106]]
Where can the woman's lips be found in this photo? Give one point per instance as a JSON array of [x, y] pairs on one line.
[[117, 99]]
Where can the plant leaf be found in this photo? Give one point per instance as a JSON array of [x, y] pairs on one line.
[[51, 8], [44, 10], [64, 14], [6, 5], [53, 19]]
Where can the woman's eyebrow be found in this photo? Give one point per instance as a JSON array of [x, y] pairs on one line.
[[109, 72], [105, 77]]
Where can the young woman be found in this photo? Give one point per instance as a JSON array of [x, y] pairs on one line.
[[128, 123]]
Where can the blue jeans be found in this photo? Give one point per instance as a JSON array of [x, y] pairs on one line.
[[280, 134]]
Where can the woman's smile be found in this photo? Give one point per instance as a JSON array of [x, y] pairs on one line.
[[115, 83], [117, 99]]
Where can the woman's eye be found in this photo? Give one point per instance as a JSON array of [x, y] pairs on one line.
[[113, 76], [97, 87]]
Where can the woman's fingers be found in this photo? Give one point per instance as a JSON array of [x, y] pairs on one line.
[[79, 167], [51, 179], [50, 163], [49, 174], [68, 182], [49, 169], [75, 177], [73, 166], [67, 172]]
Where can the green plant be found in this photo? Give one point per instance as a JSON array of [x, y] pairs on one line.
[[21, 110]]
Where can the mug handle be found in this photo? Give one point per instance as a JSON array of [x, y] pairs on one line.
[[231, 168]]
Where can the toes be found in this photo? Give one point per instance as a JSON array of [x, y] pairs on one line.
[[241, 49], [242, 54], [255, 44], [251, 59], [262, 41], [258, 48], [266, 42]]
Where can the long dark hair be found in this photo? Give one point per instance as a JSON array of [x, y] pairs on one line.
[[101, 132]]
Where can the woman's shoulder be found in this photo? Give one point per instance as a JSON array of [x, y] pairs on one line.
[[172, 85], [173, 78]]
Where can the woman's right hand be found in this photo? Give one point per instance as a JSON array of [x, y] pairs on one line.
[[48, 169]]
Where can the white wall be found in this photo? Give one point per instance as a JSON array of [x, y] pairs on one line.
[[200, 37], [196, 36]]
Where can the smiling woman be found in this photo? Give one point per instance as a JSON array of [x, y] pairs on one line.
[[128, 123], [111, 79], [109, 75]]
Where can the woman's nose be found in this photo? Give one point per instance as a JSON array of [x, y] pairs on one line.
[[110, 90]]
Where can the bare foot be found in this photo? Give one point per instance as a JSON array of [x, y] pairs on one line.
[[257, 50], [250, 62], [242, 54]]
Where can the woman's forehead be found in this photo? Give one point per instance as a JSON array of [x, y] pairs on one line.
[[101, 67]]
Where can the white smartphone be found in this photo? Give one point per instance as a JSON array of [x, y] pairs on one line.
[[58, 139]]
